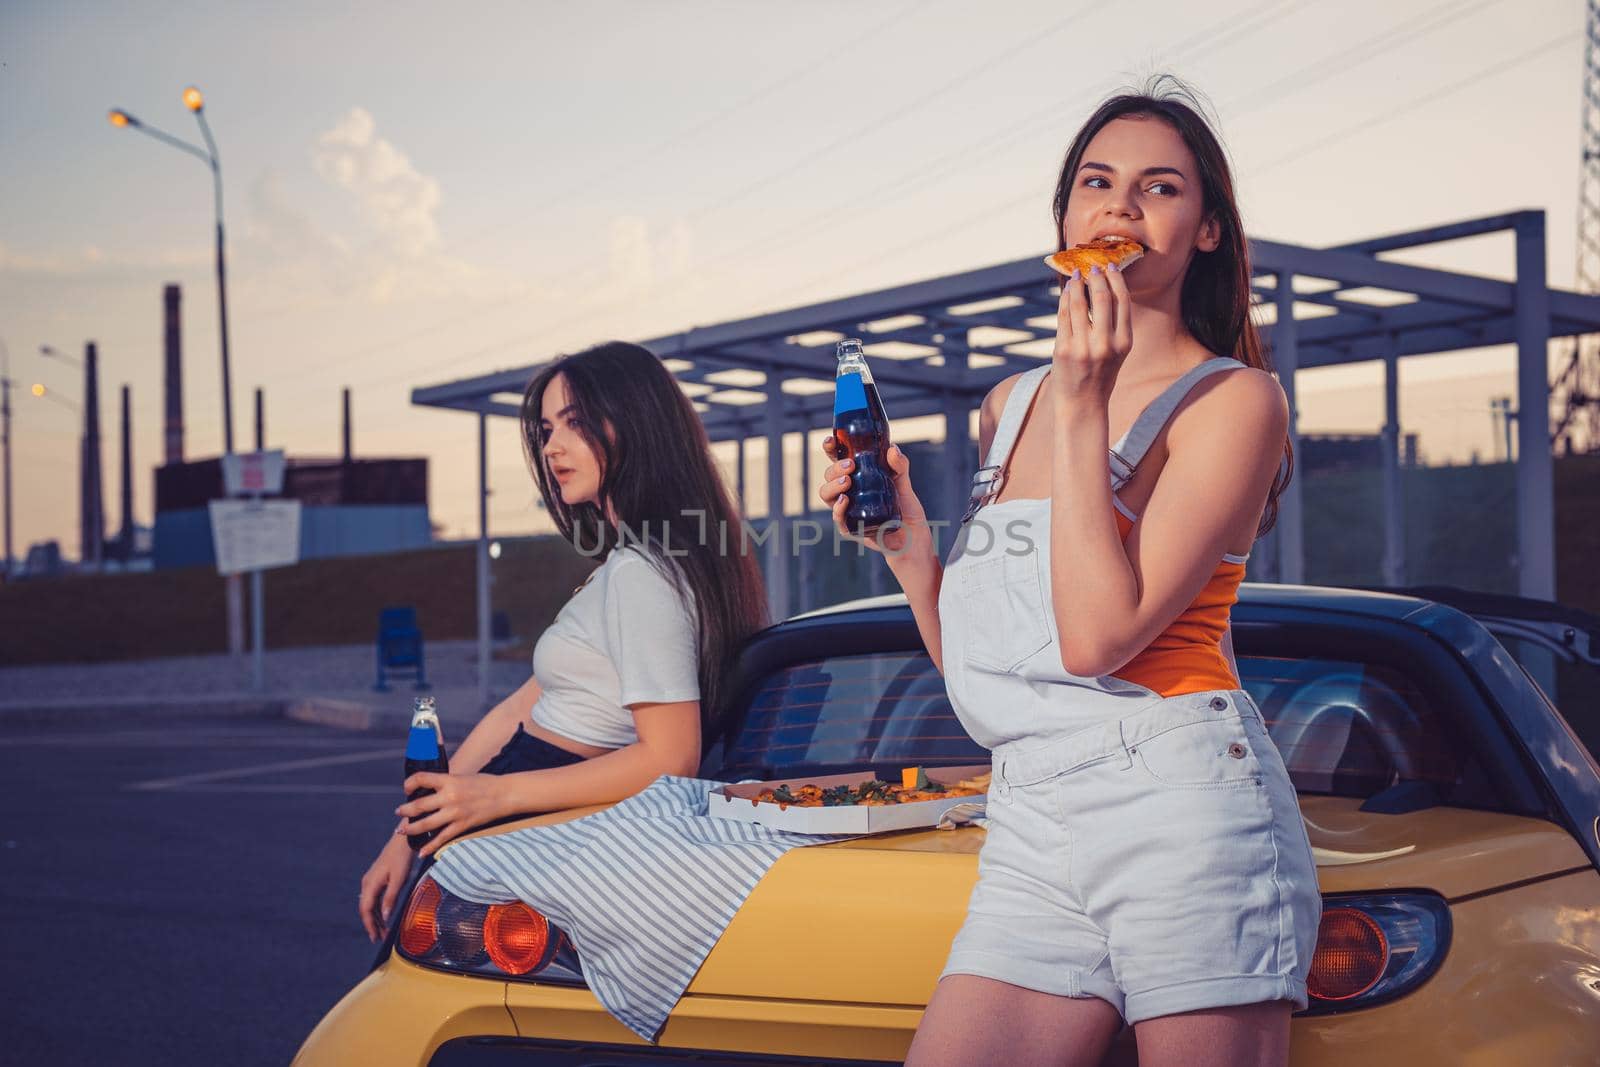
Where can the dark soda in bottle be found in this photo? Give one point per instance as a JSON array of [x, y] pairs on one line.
[[861, 434], [424, 752]]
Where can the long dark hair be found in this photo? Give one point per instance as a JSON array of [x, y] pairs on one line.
[[658, 477], [1216, 290]]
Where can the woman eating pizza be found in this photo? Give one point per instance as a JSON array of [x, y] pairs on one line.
[[1145, 860]]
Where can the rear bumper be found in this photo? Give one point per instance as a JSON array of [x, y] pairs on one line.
[[1518, 986], [770, 1030], [401, 1014]]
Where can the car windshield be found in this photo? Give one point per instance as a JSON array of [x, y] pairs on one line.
[[1345, 728], [1571, 682]]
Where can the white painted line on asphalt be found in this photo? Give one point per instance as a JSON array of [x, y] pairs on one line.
[[285, 787], [387, 752], [217, 741]]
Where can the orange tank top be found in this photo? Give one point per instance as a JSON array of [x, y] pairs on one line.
[[1187, 656]]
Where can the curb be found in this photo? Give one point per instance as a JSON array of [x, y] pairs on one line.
[[344, 714]]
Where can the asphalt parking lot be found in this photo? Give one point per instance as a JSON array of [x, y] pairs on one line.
[[183, 891]]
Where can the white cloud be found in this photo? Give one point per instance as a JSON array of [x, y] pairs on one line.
[[643, 259], [396, 199], [387, 250], [631, 259], [91, 262], [280, 226]]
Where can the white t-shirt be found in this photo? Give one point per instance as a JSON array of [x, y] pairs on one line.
[[627, 637]]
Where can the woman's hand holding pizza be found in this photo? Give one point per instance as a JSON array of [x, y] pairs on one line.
[[1094, 333]]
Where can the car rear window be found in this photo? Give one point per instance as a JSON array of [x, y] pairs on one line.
[[1344, 728]]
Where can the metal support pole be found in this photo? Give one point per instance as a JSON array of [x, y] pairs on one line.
[[805, 558], [261, 419], [483, 562], [958, 445], [258, 633], [235, 587], [1536, 543], [1290, 530], [222, 282], [807, 501], [744, 510], [1394, 532], [777, 561]]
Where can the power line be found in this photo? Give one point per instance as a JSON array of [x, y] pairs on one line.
[[1032, 40], [609, 173], [971, 73], [1435, 18], [1477, 77], [993, 211], [1412, 28], [1252, 21]]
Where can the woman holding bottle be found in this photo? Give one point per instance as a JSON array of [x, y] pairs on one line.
[[1145, 861], [626, 682]]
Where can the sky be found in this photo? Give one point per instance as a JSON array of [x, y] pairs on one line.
[[417, 193]]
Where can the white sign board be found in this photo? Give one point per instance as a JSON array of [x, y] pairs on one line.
[[253, 473], [255, 535]]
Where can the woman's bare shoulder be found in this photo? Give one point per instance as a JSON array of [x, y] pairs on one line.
[[1249, 399], [1001, 392], [993, 405]]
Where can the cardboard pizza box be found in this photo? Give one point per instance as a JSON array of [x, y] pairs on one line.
[[738, 802]]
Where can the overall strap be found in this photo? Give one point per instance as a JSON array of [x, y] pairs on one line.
[[987, 481], [1127, 453], [1016, 409]]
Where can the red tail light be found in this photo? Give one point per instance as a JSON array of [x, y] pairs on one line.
[[516, 937], [444, 931], [1352, 955], [419, 927]]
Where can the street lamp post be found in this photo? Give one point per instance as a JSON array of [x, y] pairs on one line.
[[195, 102]]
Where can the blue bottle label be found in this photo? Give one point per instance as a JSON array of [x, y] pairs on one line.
[[849, 394], [422, 743]]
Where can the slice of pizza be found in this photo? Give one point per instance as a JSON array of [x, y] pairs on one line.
[[1100, 252]]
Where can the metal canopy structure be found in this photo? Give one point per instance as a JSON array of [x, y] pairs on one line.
[[938, 346]]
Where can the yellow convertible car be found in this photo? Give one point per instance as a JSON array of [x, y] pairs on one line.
[[1454, 813]]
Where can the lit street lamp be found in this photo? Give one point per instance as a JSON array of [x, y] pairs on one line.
[[196, 103], [50, 394]]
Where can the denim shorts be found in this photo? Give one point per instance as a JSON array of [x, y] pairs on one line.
[[1157, 862]]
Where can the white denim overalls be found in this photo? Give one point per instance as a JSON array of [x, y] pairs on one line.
[[1143, 849]]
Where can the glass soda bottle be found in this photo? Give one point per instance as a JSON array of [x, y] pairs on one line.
[[424, 752], [861, 433]]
